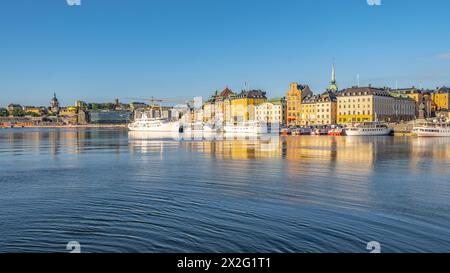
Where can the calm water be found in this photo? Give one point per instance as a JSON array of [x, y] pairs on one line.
[[118, 192]]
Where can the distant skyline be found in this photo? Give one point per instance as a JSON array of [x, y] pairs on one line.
[[103, 50]]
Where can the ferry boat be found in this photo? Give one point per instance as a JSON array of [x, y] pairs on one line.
[[432, 129], [250, 127], [368, 129], [144, 123]]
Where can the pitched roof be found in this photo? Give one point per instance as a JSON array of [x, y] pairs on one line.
[[226, 92], [310, 99], [252, 94], [359, 91], [328, 96]]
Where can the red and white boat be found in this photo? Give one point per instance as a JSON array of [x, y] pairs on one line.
[[336, 131]]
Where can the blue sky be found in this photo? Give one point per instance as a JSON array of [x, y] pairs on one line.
[[105, 49]]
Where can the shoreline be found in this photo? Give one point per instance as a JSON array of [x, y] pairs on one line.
[[105, 126]]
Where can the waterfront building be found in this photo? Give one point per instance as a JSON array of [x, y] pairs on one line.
[[272, 111], [109, 117], [319, 109], [326, 108], [82, 117], [68, 111], [422, 98], [33, 111], [209, 109], [358, 104], [218, 108], [308, 110], [243, 105], [294, 98], [441, 98]]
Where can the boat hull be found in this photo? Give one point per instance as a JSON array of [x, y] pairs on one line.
[[368, 132], [245, 130], [426, 132], [170, 127]]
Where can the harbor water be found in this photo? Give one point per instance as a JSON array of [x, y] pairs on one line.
[[117, 191]]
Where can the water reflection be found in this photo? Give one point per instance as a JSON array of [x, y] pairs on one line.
[[221, 192], [337, 151]]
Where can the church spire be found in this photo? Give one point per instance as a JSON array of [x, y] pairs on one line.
[[333, 86], [333, 75]]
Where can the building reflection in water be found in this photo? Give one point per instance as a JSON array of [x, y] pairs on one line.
[[432, 154], [61, 141], [300, 154]]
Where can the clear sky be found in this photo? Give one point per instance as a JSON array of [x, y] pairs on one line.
[[105, 49]]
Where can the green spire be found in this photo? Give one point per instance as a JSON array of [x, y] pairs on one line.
[[333, 86]]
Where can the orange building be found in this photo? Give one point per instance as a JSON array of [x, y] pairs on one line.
[[294, 98]]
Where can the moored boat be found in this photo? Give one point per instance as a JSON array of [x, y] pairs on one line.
[[336, 131], [198, 127], [321, 131], [147, 124], [249, 127], [368, 129], [432, 129]]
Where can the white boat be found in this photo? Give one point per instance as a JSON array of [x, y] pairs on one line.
[[320, 131], [368, 129], [432, 129], [146, 124], [250, 127], [198, 127]]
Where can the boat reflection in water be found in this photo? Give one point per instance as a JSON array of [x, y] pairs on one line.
[[222, 193]]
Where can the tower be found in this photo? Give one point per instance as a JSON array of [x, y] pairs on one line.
[[54, 104], [333, 85]]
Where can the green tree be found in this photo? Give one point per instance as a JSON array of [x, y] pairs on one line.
[[18, 113], [3, 112], [95, 106], [33, 114], [108, 106]]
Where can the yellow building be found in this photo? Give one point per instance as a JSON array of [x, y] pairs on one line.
[[441, 99], [68, 111], [294, 98], [308, 111], [33, 110], [208, 111], [358, 104], [243, 105], [326, 109]]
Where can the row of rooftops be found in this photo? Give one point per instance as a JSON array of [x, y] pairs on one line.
[[330, 95], [229, 94]]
